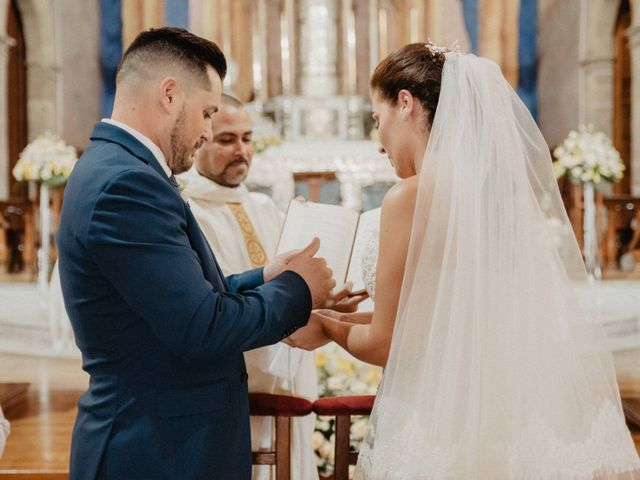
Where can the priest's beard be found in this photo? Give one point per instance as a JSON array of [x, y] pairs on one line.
[[226, 179], [181, 158]]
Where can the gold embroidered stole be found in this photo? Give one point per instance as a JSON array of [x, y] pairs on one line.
[[257, 255]]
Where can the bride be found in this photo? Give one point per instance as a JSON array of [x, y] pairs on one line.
[[494, 366]]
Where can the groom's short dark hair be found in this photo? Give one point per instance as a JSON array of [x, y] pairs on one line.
[[158, 47]]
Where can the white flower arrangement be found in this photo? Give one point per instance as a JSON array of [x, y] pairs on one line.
[[47, 159], [588, 157], [340, 374]]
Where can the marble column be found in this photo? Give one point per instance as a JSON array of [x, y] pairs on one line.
[[318, 54], [634, 44], [318, 66]]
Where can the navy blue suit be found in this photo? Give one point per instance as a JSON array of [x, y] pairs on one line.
[[161, 331]]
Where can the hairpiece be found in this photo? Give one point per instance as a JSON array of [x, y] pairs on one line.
[[436, 49]]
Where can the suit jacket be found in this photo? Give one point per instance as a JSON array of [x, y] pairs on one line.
[[161, 331]]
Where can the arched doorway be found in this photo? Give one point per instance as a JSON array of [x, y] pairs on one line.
[[622, 94], [16, 99]]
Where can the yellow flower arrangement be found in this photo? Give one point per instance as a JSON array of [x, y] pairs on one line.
[[340, 374]]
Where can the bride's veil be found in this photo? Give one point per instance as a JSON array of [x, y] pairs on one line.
[[497, 368]]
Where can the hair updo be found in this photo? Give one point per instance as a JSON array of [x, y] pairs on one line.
[[416, 67]]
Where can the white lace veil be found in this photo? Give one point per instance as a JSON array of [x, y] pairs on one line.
[[497, 369]]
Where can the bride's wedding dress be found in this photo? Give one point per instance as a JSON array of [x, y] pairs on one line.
[[369, 261], [497, 369]]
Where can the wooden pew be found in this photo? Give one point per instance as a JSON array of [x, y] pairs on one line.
[[12, 396]]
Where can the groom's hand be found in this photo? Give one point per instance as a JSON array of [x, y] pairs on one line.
[[278, 264], [314, 271], [309, 337]]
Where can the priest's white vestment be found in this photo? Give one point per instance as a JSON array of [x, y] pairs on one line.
[[277, 368]]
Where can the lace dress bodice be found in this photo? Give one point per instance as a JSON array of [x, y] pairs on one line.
[[369, 261]]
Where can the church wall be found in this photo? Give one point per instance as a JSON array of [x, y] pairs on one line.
[[79, 25], [558, 68]]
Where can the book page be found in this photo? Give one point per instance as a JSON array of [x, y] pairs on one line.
[[368, 226], [335, 226]]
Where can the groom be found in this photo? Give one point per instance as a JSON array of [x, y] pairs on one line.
[[161, 330]]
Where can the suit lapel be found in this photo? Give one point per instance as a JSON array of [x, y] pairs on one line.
[[110, 133], [212, 272], [210, 267]]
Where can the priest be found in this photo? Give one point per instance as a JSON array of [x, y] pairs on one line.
[[243, 228]]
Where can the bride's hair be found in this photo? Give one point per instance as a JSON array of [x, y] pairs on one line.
[[416, 67]]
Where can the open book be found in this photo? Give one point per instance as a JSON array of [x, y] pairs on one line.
[[343, 236]]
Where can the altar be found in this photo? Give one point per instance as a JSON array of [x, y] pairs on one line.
[[363, 174]]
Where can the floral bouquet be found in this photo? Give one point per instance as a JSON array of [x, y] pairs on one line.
[[340, 374], [588, 157], [47, 159]]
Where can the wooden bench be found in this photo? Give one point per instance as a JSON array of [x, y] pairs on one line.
[[12, 395]]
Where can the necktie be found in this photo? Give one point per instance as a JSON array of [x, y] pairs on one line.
[[257, 255], [174, 182]]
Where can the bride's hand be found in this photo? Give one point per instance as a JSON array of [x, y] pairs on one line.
[[325, 312], [311, 336], [361, 318], [343, 301]]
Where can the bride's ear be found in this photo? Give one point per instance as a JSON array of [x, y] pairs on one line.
[[406, 103]]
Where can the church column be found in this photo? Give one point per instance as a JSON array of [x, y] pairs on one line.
[[5, 44], [274, 53], [498, 35], [430, 20], [597, 23], [241, 43], [596, 102], [318, 66], [318, 54], [634, 44], [42, 80], [363, 45]]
